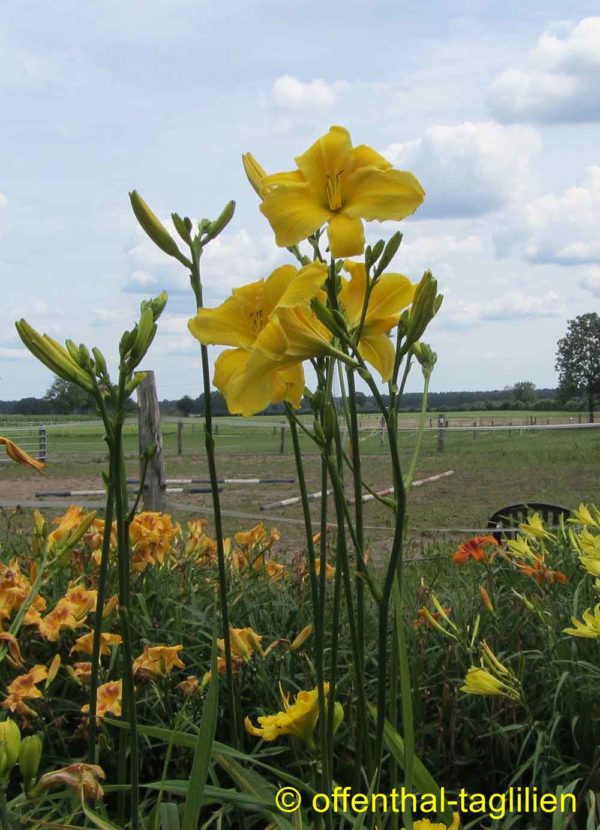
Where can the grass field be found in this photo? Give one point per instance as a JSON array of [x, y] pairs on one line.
[[491, 467]]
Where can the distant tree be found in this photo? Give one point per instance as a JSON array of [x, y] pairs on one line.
[[68, 399], [186, 405], [524, 392], [578, 360]]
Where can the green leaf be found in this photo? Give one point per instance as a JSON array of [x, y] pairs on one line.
[[202, 753], [422, 779], [169, 816]]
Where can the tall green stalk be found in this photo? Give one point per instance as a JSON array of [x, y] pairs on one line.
[[196, 284]]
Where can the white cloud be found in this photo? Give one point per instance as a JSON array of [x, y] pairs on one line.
[[288, 93], [513, 306], [468, 169], [560, 228], [13, 354], [560, 81], [591, 281]]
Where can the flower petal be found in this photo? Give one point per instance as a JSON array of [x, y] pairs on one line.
[[327, 158], [382, 194], [352, 291], [391, 294], [294, 213], [232, 323], [346, 235], [250, 382], [378, 350]]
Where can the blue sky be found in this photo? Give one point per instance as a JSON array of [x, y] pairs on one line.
[[494, 106]]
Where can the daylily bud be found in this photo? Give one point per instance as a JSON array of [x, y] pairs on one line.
[[4, 767], [53, 355], [301, 638], [100, 361], [181, 227], [10, 741], [135, 381], [425, 356], [254, 171], [338, 716], [145, 331], [127, 340], [221, 222], [389, 253], [39, 524], [153, 226], [158, 304], [325, 316], [485, 598], [30, 756], [425, 305], [73, 350], [53, 669], [373, 254], [329, 420]]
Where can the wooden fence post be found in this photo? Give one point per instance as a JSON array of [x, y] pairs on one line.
[[441, 433], [153, 495], [42, 443], [179, 437], [282, 441]]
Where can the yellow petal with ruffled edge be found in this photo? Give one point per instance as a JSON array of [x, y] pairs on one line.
[[346, 236], [294, 212], [377, 349], [295, 288], [391, 295], [249, 382], [323, 166], [234, 322], [372, 193]]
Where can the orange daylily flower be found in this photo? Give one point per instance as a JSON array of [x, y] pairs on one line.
[[25, 687], [81, 672], [19, 455], [152, 536], [473, 549], [109, 699], [541, 573], [85, 643], [84, 779], [189, 686], [158, 661]]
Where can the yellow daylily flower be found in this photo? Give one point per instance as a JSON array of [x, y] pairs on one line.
[[391, 294], [583, 516], [337, 184], [298, 719], [590, 627], [272, 329], [535, 527], [482, 682]]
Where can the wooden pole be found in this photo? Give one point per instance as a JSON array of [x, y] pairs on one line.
[[441, 434], [282, 441], [42, 443], [153, 494], [179, 437]]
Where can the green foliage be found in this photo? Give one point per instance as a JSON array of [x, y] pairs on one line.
[[578, 360]]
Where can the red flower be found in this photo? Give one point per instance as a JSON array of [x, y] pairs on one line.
[[473, 549], [541, 573]]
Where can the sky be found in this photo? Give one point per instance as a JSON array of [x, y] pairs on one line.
[[494, 106]]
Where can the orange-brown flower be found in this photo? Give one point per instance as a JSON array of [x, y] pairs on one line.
[[14, 590], [81, 672], [69, 613], [189, 686], [473, 549], [109, 699], [424, 616], [151, 536], [541, 573], [84, 779], [19, 455], [25, 687], [66, 524], [85, 643], [158, 661]]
